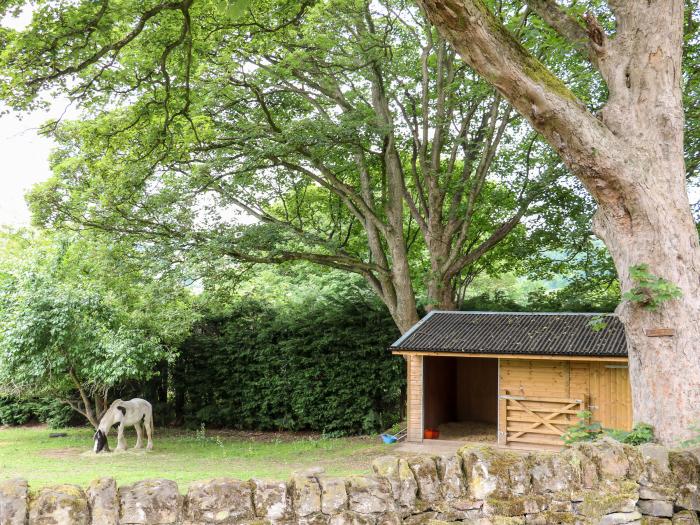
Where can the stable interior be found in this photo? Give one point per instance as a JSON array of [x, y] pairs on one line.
[[461, 397]]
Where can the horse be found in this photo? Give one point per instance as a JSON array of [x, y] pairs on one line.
[[135, 412]]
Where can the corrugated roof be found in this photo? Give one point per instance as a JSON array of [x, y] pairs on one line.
[[515, 333]]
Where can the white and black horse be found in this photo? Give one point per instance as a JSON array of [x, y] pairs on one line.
[[135, 412]]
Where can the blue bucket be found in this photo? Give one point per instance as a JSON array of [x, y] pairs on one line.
[[388, 438]]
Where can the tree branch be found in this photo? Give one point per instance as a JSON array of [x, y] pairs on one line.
[[456, 265], [542, 98], [342, 262], [563, 23], [89, 413], [114, 46]]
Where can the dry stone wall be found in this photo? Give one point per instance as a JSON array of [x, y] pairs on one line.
[[603, 483]]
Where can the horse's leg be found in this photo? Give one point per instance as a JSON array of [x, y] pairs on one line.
[[121, 442], [148, 424], [139, 433]]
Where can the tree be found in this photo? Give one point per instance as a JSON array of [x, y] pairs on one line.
[[349, 131], [65, 334], [629, 156]]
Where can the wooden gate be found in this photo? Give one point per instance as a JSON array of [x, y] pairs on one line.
[[538, 421]]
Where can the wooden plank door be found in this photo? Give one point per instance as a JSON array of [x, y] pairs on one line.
[[611, 396]]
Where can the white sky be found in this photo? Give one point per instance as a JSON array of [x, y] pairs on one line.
[[24, 157], [23, 153]]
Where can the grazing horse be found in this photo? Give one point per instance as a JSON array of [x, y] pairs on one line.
[[135, 412]]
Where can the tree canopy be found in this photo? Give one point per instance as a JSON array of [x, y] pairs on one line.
[[348, 133]]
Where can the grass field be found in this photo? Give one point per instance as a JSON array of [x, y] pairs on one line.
[[182, 456]]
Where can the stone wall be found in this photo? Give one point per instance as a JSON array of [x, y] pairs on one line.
[[603, 483]]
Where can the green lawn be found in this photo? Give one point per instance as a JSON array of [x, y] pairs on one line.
[[179, 455]]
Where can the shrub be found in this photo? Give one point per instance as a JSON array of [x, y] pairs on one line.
[[20, 411], [640, 433], [15, 412], [650, 291], [584, 430], [322, 365]]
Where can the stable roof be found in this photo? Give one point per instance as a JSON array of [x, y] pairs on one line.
[[514, 333]]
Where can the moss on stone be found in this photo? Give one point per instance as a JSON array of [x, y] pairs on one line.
[[684, 466], [70, 490], [508, 520], [653, 520], [507, 505], [500, 462], [559, 517], [599, 503]]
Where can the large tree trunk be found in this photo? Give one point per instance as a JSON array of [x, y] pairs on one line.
[[630, 160], [440, 294], [402, 305], [439, 285], [645, 112]]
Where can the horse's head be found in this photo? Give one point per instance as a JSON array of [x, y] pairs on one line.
[[100, 441]]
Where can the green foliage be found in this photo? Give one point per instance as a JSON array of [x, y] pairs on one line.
[[319, 365], [691, 91], [297, 137], [597, 323], [585, 430], [640, 433], [71, 318], [650, 291], [15, 412], [56, 337], [526, 296]]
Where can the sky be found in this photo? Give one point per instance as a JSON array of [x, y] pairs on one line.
[[24, 155], [24, 161]]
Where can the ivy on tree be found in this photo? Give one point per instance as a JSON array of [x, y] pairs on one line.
[[650, 291]]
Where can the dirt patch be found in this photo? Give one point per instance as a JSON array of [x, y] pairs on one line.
[[115, 453], [61, 453]]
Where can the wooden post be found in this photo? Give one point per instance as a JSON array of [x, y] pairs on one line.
[[502, 418], [415, 398]]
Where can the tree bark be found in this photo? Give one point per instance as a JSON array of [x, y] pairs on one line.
[[441, 295], [630, 160], [88, 411]]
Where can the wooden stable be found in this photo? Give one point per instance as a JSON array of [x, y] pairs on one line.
[[531, 398]]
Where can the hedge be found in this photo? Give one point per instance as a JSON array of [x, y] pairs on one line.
[[20, 411], [322, 366]]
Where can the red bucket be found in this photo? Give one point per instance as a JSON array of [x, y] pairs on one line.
[[431, 433]]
